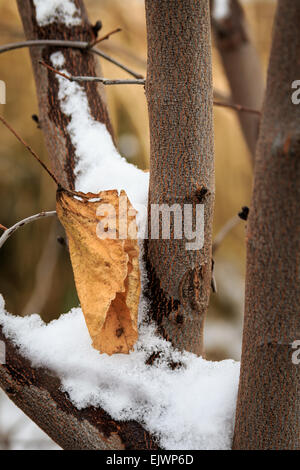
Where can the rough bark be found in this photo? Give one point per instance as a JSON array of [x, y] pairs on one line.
[[242, 67], [179, 95], [268, 407], [77, 62], [36, 391], [38, 394]]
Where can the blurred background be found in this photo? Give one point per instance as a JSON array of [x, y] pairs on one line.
[[35, 271]]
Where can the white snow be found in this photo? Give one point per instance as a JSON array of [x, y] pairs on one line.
[[63, 11], [221, 9], [187, 408], [99, 166]]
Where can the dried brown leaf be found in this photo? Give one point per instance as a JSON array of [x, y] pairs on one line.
[[106, 270]]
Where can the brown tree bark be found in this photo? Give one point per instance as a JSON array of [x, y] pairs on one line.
[[242, 67], [179, 95], [268, 407], [77, 62], [36, 391]]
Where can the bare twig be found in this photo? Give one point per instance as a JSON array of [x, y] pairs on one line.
[[29, 149], [230, 224], [75, 44], [237, 107], [44, 42], [64, 75], [108, 81], [60, 187], [117, 63], [8, 232], [105, 81], [69, 191], [141, 81], [124, 52], [3, 227], [107, 36]]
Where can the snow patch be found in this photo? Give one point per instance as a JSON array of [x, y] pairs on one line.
[[221, 9], [191, 407], [63, 11], [98, 165]]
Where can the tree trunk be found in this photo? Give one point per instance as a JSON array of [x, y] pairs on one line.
[[268, 407], [77, 62], [242, 68], [179, 94]]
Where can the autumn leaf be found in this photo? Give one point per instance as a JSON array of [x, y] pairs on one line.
[[101, 231]]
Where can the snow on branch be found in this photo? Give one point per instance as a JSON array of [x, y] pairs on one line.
[[99, 166], [184, 401], [38, 394]]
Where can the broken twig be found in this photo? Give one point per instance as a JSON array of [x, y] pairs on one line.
[[107, 36]]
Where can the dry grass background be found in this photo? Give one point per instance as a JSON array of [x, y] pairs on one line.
[[27, 280]]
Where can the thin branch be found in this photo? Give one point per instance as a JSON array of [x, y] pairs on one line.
[[3, 227], [8, 232], [237, 107], [105, 81], [107, 36], [230, 224], [44, 42], [64, 75], [60, 187], [74, 44], [124, 52], [108, 81], [29, 149], [117, 63], [142, 81]]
